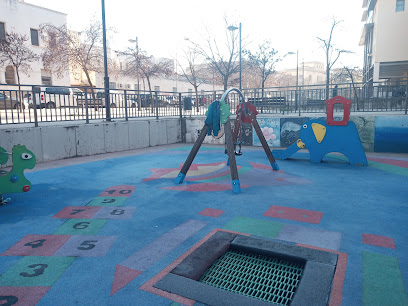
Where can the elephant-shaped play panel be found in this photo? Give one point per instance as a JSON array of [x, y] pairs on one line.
[[320, 139]]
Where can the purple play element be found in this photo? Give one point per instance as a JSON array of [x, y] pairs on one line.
[[77, 212], [115, 213], [22, 295], [310, 236], [37, 245], [87, 246], [159, 248]]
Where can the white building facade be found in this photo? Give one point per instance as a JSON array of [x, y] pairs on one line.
[[384, 38], [24, 18]]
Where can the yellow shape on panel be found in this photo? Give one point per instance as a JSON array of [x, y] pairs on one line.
[[319, 131]]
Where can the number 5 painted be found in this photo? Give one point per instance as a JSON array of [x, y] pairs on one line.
[[87, 245]]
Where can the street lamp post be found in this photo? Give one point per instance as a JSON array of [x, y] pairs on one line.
[[297, 81], [233, 28], [105, 63], [240, 56], [136, 41], [297, 78]]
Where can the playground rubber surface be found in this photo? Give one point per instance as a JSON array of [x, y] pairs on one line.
[[103, 232]]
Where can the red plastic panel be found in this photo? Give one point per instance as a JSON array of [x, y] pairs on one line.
[[330, 107], [251, 108]]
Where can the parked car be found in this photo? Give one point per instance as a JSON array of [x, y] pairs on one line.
[[62, 96], [10, 103], [52, 97]]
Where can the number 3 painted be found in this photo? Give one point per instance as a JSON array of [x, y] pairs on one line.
[[37, 272]]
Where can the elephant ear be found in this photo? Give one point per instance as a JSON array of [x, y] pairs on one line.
[[3, 156], [319, 131]]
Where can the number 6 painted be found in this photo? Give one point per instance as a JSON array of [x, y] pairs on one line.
[[81, 225]]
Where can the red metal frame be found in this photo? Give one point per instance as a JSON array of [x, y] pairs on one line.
[[330, 107]]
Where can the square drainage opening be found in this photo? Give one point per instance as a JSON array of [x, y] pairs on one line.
[[232, 269], [258, 276]]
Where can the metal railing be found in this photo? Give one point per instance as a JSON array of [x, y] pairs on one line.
[[40, 104]]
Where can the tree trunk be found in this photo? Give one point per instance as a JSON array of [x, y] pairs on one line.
[[327, 82], [150, 93], [18, 96], [197, 99], [263, 88], [92, 89]]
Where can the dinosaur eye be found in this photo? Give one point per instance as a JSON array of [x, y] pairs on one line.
[[305, 126], [26, 156]]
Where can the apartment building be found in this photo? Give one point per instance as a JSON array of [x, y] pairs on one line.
[[25, 18], [384, 38]]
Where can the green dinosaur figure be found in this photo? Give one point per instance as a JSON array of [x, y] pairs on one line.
[[15, 181]]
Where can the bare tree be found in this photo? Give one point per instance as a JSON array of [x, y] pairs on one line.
[[332, 53], [222, 59], [78, 50], [194, 73], [263, 61], [140, 64], [133, 58], [15, 52]]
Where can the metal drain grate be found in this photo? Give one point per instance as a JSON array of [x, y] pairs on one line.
[[261, 277]]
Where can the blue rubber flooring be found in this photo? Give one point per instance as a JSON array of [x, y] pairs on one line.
[[144, 230]]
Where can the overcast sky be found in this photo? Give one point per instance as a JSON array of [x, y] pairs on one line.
[[162, 25]]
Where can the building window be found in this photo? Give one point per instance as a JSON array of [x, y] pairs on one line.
[[46, 78], [112, 85], [136, 86], [174, 89], [34, 37], [400, 6], [46, 81], [2, 31], [156, 88], [190, 92]]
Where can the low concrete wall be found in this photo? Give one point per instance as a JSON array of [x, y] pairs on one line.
[[55, 142], [388, 133]]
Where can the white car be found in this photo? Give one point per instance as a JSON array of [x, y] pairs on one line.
[[52, 97]]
